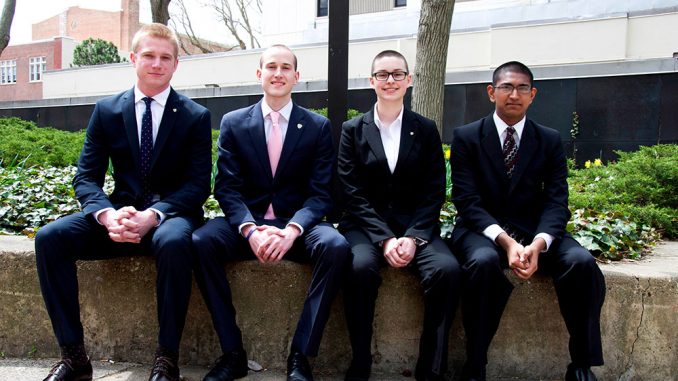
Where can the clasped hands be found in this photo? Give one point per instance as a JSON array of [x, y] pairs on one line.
[[399, 252], [523, 260], [128, 224], [269, 243]]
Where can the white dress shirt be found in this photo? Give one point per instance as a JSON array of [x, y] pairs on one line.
[[390, 137]]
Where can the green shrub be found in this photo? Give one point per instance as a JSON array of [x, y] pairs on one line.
[[350, 113], [44, 146]]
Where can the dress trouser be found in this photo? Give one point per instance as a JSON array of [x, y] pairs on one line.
[[440, 277], [61, 243], [217, 243], [579, 285]]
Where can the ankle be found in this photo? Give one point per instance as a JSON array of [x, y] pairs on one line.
[[76, 353]]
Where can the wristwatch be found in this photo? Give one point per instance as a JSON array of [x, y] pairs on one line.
[[419, 242]]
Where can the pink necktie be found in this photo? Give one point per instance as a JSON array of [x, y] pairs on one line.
[[274, 149]]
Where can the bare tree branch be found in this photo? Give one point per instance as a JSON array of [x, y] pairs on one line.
[[6, 23], [184, 21], [225, 14]]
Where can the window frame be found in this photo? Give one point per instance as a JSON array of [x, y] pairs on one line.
[[36, 66], [325, 9], [8, 72]]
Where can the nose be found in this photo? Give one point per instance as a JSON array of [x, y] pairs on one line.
[[390, 78]]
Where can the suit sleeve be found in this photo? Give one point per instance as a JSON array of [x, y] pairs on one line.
[[92, 166], [229, 182], [464, 160], [555, 213], [192, 194], [319, 200], [353, 185], [431, 182]]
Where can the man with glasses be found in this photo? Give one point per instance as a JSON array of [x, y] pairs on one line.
[[392, 169], [509, 178]]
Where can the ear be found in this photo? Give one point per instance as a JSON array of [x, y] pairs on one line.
[[296, 77], [258, 74], [490, 93], [132, 58], [409, 80]]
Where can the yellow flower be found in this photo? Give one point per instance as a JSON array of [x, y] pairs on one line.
[[597, 163], [447, 150], [587, 164]]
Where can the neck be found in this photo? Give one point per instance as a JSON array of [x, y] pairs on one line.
[[276, 103], [150, 91], [388, 111]]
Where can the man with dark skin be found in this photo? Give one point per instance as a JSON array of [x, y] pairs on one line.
[[509, 178]]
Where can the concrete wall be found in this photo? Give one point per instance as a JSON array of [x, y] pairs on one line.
[[610, 40], [118, 311]]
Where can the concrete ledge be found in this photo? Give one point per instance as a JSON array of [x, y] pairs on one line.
[[639, 319]]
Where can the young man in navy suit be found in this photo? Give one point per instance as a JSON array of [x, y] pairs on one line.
[[392, 169], [273, 183], [159, 144], [509, 178]]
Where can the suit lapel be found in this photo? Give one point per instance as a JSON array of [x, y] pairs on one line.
[[489, 139], [295, 128], [129, 117], [255, 126], [374, 139], [527, 148], [407, 136], [173, 108]]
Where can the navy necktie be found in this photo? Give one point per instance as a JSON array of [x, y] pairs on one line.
[[146, 151], [510, 150]]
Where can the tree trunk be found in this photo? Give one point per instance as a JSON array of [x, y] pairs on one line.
[[433, 36], [6, 23], [160, 11]]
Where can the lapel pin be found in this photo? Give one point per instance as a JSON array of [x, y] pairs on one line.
[[299, 126], [174, 110], [411, 133]]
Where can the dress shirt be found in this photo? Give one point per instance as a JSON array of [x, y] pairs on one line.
[[494, 230], [390, 137]]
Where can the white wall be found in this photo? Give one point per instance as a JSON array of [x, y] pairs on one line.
[[615, 39]]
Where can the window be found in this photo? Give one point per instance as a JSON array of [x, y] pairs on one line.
[[400, 3], [323, 7], [7, 72], [36, 65]]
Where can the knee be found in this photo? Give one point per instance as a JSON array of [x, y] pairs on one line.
[[364, 269], [48, 238], [483, 258], [581, 260], [335, 249], [445, 272], [173, 247]]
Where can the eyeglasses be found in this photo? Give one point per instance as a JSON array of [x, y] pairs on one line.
[[508, 89], [383, 75]]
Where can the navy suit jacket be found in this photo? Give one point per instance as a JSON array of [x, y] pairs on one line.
[[300, 190], [181, 162], [533, 201], [406, 202]]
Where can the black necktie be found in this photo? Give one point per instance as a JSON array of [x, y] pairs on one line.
[[510, 150], [146, 151]]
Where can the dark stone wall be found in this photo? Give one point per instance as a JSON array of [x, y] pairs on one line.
[[615, 113]]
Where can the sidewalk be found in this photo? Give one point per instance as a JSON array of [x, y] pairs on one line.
[[32, 370]]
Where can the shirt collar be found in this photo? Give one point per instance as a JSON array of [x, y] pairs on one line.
[[285, 111], [161, 97], [378, 121], [502, 126]]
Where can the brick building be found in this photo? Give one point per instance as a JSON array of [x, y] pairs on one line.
[[21, 66]]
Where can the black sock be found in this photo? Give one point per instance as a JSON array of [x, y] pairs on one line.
[[76, 353]]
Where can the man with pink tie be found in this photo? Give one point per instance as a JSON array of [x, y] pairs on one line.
[[275, 167]]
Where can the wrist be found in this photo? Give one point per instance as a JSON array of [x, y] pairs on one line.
[[249, 233]]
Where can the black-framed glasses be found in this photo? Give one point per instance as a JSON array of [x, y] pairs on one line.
[[508, 89], [383, 75]]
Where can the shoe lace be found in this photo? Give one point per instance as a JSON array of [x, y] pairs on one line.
[[58, 369], [163, 364]]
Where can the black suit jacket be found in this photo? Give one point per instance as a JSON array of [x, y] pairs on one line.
[[181, 163], [533, 201], [300, 190], [404, 203]]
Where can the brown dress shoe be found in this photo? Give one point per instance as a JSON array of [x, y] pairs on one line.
[[65, 370], [164, 369]]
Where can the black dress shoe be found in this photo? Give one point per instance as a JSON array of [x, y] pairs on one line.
[[298, 368], [357, 373], [228, 367], [575, 373], [164, 369], [65, 370]]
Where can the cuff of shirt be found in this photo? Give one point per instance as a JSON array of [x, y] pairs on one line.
[[161, 216], [492, 232], [243, 225], [548, 238], [298, 227], [98, 212]]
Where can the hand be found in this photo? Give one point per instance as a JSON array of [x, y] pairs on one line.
[[391, 254], [406, 248], [118, 224], [144, 221], [279, 243], [530, 256], [514, 252], [257, 238]]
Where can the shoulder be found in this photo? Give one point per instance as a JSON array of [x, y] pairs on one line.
[[238, 114], [547, 133], [189, 104], [115, 99], [469, 129], [419, 119], [313, 116], [353, 123]]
